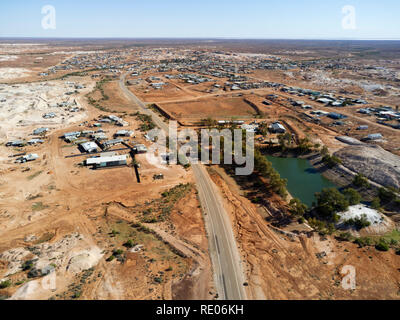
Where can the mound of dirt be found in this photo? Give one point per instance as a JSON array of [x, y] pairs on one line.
[[379, 224], [349, 140], [374, 162], [84, 260]]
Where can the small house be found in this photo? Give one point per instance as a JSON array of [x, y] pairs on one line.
[[276, 127], [89, 147]]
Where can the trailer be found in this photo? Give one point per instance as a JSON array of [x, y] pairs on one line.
[[16, 143], [107, 162], [27, 158]]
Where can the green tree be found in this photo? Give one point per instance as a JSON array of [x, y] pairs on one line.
[[382, 245], [362, 242], [329, 202], [110, 258], [285, 140], [331, 161], [129, 244], [209, 122], [359, 223], [297, 207], [386, 195], [5, 284], [376, 203], [263, 129], [305, 145], [324, 151], [361, 181], [352, 196], [331, 228]]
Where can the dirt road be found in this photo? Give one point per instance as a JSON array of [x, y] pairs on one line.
[[228, 274]]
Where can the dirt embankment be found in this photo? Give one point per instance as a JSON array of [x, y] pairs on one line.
[[374, 162], [281, 267]]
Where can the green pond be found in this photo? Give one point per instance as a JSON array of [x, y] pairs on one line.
[[303, 180]]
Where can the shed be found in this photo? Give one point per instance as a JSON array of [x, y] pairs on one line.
[[110, 143], [124, 133], [72, 134], [40, 131], [16, 143], [374, 136], [104, 162], [89, 147], [140, 148], [336, 116], [276, 127]]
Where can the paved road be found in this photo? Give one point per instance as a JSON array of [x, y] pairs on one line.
[[225, 257]]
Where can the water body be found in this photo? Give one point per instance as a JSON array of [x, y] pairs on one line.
[[303, 180]]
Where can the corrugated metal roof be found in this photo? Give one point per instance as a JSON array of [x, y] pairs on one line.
[[277, 126], [100, 160], [87, 146]]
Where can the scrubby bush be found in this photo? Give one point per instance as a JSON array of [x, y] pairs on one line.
[[297, 207], [118, 252], [359, 223], [362, 242], [114, 233], [129, 244], [5, 284], [361, 181], [331, 161], [344, 236], [110, 258], [34, 273], [324, 151], [352, 196], [376, 203], [382, 245], [305, 145], [321, 226], [386, 195], [27, 265], [158, 280]]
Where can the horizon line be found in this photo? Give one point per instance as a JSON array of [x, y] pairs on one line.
[[195, 38]]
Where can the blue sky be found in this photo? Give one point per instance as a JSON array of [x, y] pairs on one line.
[[293, 19]]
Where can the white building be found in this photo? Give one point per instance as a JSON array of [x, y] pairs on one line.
[[89, 147], [104, 162]]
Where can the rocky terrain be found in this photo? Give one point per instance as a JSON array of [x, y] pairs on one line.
[[374, 162]]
